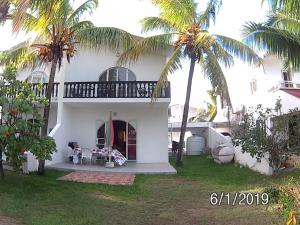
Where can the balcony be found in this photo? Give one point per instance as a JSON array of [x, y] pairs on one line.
[[291, 85], [111, 89], [42, 92]]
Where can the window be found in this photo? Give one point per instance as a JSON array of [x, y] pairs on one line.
[[117, 74], [37, 77], [286, 75]]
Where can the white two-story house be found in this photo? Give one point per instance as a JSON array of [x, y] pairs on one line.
[[90, 87]]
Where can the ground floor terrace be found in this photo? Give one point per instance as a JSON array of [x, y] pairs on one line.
[[140, 130], [129, 168]]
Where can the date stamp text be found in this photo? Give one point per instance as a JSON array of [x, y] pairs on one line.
[[233, 199]]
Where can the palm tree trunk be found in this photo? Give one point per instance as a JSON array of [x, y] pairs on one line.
[[1, 166], [186, 110], [4, 8], [41, 168]]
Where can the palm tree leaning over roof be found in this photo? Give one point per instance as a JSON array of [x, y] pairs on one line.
[[58, 34], [187, 30], [279, 35]]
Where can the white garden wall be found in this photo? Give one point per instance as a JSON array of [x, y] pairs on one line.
[[245, 159], [214, 138]]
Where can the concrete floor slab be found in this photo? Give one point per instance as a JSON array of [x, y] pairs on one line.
[[129, 168]]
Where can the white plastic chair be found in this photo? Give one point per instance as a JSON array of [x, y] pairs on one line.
[[86, 153], [75, 159]]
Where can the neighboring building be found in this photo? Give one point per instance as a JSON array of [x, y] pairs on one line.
[[283, 84], [90, 87], [275, 83]]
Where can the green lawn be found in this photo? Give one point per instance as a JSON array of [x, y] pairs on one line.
[[152, 200]]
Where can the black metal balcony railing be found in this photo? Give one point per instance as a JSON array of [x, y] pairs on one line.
[[43, 91], [114, 89]]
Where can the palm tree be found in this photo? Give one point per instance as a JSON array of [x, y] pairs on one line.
[[290, 5], [58, 34], [211, 112], [186, 31], [279, 35]]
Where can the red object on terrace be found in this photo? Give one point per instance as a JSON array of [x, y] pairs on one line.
[[295, 93]]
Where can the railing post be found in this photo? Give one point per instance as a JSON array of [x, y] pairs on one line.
[[110, 89]]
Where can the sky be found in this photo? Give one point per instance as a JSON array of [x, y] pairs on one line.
[[126, 14]]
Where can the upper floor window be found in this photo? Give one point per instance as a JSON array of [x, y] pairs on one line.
[[286, 76], [37, 77], [117, 74]]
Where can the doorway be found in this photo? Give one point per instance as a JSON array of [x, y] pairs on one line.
[[124, 138]]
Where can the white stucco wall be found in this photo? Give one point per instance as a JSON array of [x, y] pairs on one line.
[[62, 136], [88, 65], [80, 124], [25, 73]]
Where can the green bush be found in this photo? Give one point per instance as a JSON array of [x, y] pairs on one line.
[[273, 194]]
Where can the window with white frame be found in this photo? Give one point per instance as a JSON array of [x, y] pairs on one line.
[[117, 74], [37, 77]]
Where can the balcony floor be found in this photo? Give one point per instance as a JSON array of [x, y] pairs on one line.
[[129, 168]]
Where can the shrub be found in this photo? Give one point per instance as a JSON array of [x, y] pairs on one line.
[[264, 131]]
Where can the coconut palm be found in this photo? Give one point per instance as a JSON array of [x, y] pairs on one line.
[[186, 32], [291, 5], [58, 34], [278, 35], [212, 109], [211, 112]]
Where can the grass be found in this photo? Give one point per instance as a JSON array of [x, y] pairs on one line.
[[179, 199]]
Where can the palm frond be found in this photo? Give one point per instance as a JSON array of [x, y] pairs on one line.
[[209, 14], [181, 13], [284, 20], [213, 71], [239, 50], [32, 23], [20, 56], [87, 7], [156, 23], [150, 45], [222, 55], [82, 26], [21, 8], [203, 40], [293, 6], [173, 64], [105, 38], [283, 43]]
